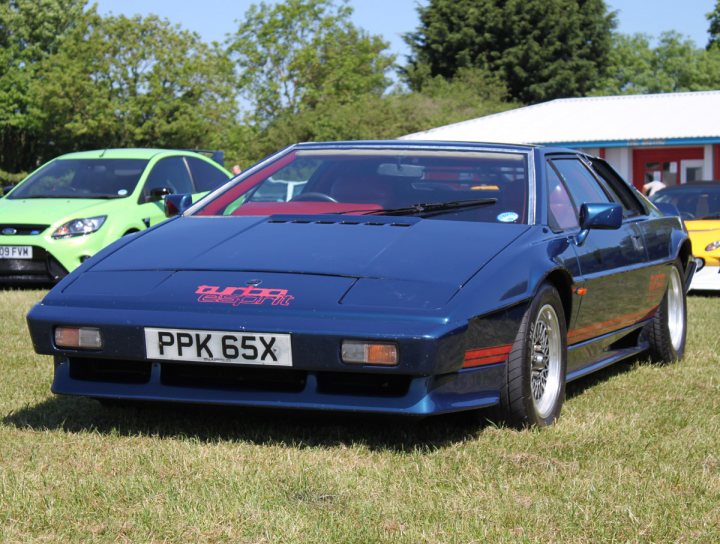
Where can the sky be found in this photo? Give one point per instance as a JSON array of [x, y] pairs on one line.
[[214, 19]]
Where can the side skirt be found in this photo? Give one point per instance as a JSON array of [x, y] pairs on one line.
[[612, 347]]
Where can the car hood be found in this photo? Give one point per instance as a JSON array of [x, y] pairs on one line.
[[47, 211], [702, 225], [318, 261], [368, 247]]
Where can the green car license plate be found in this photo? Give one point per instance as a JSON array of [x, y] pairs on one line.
[[16, 252]]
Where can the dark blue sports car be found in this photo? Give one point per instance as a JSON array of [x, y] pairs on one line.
[[398, 277]]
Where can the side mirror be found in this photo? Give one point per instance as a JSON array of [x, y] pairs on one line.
[[6, 189], [598, 217], [177, 204], [158, 193]]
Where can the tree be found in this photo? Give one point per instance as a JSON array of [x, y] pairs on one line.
[[674, 65], [714, 30], [299, 54], [471, 94], [121, 81], [541, 49], [30, 31]]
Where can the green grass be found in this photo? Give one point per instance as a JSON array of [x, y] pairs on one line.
[[635, 457]]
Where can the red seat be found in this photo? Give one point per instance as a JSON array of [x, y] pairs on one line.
[[360, 190]]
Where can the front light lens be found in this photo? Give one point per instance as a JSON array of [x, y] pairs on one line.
[[78, 337], [369, 353], [79, 227], [712, 246]]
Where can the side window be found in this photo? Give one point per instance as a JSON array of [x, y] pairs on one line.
[[583, 186], [562, 213], [205, 175], [623, 193], [171, 173]]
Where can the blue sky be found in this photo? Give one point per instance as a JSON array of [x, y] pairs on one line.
[[213, 19]]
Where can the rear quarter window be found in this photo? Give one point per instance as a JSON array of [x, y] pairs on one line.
[[620, 190]]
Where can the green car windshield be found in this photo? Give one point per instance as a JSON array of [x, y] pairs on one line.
[[83, 178]]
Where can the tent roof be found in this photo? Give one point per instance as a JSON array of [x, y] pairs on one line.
[[628, 118]]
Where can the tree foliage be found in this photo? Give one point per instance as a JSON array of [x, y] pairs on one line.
[[299, 70], [674, 65], [542, 49], [121, 81], [30, 31], [370, 116], [714, 29], [298, 54]]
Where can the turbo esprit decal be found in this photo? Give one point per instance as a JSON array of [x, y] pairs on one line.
[[243, 295]]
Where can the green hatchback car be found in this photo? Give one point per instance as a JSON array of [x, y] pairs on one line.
[[75, 205]]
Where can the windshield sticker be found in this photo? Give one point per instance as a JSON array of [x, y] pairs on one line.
[[243, 295], [122, 192], [507, 217]]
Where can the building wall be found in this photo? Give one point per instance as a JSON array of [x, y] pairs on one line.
[[621, 159]]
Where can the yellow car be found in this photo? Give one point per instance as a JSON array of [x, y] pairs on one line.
[[699, 206]]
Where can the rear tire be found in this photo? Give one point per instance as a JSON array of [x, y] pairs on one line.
[[535, 387], [667, 331]]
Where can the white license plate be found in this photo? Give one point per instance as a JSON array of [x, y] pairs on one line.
[[16, 252], [254, 348]]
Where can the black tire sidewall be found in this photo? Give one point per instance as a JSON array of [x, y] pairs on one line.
[[660, 340], [517, 401]]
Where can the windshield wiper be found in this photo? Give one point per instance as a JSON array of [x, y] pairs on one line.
[[711, 216], [423, 208]]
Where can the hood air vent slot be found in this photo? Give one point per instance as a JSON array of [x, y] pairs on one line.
[[354, 222]]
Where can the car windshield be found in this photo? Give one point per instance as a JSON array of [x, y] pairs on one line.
[[696, 202], [490, 186], [83, 178]]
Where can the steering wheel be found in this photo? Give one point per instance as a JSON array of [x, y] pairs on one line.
[[313, 197]]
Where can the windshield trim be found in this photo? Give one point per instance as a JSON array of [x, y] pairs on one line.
[[524, 154]]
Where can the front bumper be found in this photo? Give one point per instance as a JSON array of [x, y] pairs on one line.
[[43, 268], [280, 388], [706, 279], [52, 259]]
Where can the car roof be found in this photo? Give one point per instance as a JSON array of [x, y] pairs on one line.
[[125, 153], [408, 144], [713, 185]]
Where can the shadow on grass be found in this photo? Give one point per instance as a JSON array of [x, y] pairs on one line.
[[704, 294], [25, 287], [579, 386], [272, 427], [266, 427]]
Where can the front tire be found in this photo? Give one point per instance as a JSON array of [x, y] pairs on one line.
[[534, 391], [667, 331]]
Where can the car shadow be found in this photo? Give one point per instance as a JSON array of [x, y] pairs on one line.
[[301, 429], [26, 287], [704, 294], [579, 386]]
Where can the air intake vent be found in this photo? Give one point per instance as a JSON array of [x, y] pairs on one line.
[[360, 222], [10, 229]]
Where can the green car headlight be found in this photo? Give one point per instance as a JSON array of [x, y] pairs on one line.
[[712, 246], [79, 227]]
